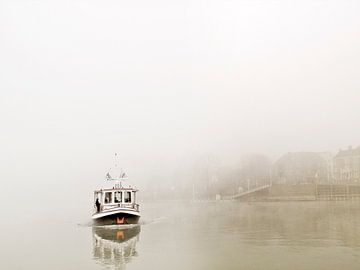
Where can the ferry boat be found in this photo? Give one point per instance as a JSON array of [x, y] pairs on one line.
[[116, 205]]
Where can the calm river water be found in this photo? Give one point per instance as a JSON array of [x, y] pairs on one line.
[[217, 235]]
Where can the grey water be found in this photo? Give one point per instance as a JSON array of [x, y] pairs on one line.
[[195, 235]]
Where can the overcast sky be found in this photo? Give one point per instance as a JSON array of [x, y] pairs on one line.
[[161, 82]]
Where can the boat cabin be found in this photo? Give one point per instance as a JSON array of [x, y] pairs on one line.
[[116, 197]]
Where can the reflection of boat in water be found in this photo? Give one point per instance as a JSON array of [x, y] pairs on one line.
[[115, 245]]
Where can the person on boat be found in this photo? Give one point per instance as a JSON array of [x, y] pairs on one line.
[[97, 204]]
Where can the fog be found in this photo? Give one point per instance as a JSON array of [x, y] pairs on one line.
[[165, 84]]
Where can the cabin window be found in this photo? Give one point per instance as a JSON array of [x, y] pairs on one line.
[[118, 197], [127, 197], [108, 197]]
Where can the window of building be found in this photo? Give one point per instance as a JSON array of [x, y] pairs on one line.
[[108, 197], [118, 197], [127, 197]]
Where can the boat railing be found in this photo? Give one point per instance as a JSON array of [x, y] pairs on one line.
[[134, 206]]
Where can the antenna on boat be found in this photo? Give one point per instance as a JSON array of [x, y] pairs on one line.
[[115, 159], [122, 176]]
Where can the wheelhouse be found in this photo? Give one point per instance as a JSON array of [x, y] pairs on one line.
[[116, 197]]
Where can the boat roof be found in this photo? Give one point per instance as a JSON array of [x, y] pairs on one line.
[[114, 188]]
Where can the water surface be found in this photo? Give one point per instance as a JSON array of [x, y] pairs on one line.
[[198, 235]]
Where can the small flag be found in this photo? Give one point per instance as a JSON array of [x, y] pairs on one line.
[[119, 221]]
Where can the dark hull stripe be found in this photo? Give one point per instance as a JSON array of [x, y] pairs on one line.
[[117, 219]]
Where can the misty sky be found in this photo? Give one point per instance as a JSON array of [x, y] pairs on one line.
[[161, 82]]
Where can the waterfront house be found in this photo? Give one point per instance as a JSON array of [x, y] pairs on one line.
[[347, 165]]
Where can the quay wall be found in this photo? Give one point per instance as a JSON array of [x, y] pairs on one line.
[[306, 192]]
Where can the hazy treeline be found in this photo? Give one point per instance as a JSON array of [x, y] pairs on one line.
[[207, 177]]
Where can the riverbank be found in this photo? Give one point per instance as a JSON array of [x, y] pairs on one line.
[[304, 192]]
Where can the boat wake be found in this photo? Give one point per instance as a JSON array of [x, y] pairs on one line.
[[90, 223], [152, 221]]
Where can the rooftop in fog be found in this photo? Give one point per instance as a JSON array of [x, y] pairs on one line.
[[348, 152]]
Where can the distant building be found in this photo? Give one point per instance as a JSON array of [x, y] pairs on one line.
[[347, 165], [301, 168], [329, 160]]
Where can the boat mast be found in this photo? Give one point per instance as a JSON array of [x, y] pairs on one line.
[[122, 176], [117, 181]]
